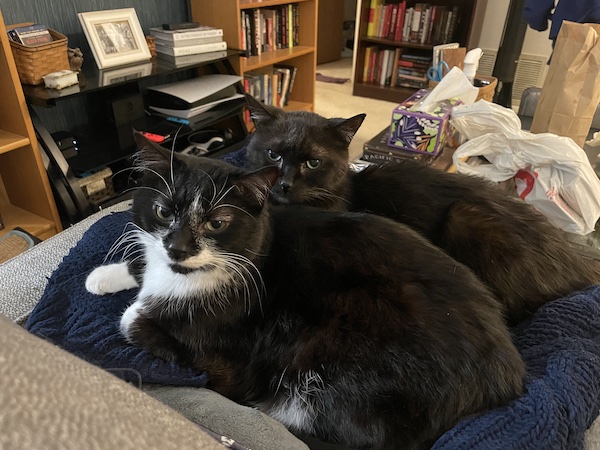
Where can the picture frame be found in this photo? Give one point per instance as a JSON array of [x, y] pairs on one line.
[[115, 37], [123, 74]]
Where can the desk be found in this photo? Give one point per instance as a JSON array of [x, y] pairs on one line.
[[100, 141]]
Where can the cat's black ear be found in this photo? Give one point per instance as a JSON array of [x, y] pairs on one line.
[[349, 127], [150, 154], [260, 112], [258, 183]]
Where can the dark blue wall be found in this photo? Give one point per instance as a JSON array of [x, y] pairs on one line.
[[61, 15]]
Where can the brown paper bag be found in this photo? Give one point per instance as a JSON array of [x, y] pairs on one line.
[[571, 90], [454, 57]]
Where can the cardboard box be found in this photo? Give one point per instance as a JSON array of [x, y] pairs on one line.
[[421, 132]]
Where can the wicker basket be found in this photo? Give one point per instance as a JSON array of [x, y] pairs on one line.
[[35, 62], [485, 92]]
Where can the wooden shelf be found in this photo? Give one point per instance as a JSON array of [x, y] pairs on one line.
[[267, 3], [26, 198], [387, 93], [226, 14], [11, 141], [13, 217], [275, 57], [468, 30]]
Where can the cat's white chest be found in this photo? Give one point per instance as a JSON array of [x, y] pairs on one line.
[[298, 407]]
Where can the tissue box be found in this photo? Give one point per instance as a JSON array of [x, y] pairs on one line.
[[419, 131]]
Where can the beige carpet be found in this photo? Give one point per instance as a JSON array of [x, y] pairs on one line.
[[336, 100]]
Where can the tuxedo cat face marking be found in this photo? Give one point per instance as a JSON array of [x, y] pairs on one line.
[[310, 151], [190, 214]]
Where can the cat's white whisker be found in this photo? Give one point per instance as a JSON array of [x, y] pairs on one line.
[[171, 191]]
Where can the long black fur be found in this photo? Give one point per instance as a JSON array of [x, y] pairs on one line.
[[524, 260], [361, 333]]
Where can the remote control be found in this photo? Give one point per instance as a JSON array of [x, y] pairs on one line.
[[180, 26]]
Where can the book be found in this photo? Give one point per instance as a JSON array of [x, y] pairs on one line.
[[202, 31], [384, 66], [400, 21], [30, 35], [394, 77], [185, 60], [285, 75], [392, 25], [377, 150], [188, 42], [192, 49], [373, 9], [289, 84]]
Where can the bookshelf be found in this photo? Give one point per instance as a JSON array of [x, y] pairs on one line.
[[466, 30], [26, 199], [227, 14]]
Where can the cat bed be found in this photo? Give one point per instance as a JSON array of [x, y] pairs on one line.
[[560, 345]]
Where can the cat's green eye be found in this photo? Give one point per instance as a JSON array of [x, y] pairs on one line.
[[273, 156], [214, 225], [313, 163], [163, 213]]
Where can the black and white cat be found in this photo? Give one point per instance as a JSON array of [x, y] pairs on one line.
[[523, 259], [348, 327]]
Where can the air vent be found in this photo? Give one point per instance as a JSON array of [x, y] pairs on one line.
[[531, 70]]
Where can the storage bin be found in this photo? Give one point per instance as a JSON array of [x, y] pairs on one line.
[[35, 62]]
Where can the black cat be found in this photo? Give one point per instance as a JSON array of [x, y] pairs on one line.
[[348, 327], [523, 259]]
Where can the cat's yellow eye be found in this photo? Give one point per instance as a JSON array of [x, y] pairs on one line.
[[313, 163], [163, 213], [273, 156], [215, 225]]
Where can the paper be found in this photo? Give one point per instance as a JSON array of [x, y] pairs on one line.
[[571, 89], [454, 85], [187, 113]]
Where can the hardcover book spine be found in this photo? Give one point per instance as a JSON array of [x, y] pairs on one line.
[[192, 50]]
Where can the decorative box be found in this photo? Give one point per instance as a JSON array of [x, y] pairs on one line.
[[419, 131]]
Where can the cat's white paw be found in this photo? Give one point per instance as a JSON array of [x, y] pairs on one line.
[[128, 318], [110, 279]]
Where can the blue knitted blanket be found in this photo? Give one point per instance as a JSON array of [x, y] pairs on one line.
[[560, 345]]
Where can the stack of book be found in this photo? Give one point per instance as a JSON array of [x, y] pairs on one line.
[[189, 45], [268, 29], [399, 67], [377, 151], [422, 23], [271, 85], [30, 35]]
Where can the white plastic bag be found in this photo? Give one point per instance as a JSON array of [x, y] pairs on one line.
[[556, 177]]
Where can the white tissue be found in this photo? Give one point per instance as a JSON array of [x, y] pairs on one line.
[[595, 140], [454, 85]]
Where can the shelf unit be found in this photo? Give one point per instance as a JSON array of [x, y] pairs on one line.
[[226, 14], [467, 34], [26, 199]]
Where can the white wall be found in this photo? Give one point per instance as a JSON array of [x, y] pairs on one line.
[[536, 42]]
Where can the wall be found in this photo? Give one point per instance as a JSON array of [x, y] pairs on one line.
[[536, 42], [61, 15]]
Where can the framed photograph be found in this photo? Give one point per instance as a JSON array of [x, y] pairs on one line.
[[123, 74], [115, 37]]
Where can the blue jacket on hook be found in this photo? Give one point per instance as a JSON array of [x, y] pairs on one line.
[[537, 13]]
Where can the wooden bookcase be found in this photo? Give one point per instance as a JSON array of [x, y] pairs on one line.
[[26, 198], [467, 33], [226, 14]]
